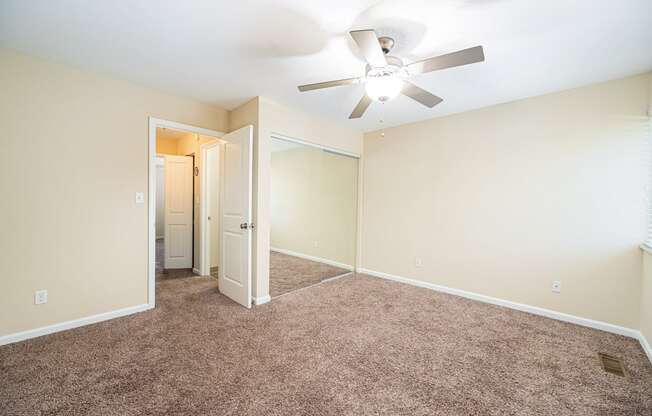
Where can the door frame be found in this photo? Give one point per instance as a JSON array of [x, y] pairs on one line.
[[204, 266], [151, 193], [160, 156]]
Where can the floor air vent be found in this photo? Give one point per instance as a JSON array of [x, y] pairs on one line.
[[611, 364]]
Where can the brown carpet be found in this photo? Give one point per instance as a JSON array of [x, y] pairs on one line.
[[352, 346], [288, 273]]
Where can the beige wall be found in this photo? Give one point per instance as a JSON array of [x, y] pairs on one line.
[[72, 226], [314, 203], [168, 141], [277, 118], [165, 145], [646, 298], [502, 201]]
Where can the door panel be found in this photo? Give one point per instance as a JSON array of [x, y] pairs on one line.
[[178, 212], [232, 188], [236, 195], [232, 268]]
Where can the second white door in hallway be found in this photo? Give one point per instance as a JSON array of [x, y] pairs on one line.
[[178, 211]]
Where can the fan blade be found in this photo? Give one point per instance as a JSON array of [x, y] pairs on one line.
[[359, 109], [328, 84], [420, 95], [459, 58], [370, 47]]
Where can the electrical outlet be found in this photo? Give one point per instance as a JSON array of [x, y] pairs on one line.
[[40, 296], [556, 286], [418, 262], [140, 197]]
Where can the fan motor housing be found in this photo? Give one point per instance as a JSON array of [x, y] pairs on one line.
[[394, 66], [386, 44]]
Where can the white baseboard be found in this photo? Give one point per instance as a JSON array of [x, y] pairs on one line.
[[645, 345], [313, 258], [261, 300], [196, 271], [63, 326], [603, 326]]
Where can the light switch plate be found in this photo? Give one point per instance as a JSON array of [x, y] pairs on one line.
[[40, 297], [140, 197]]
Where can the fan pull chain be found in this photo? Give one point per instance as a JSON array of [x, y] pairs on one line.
[[382, 120]]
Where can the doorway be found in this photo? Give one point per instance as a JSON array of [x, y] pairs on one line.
[[176, 208], [177, 179]]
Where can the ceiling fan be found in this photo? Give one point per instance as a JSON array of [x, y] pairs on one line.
[[385, 75]]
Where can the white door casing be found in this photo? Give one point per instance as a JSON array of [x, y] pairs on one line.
[[178, 211], [160, 197], [209, 220], [213, 198], [235, 216]]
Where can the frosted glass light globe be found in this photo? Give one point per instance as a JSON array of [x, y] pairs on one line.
[[383, 87]]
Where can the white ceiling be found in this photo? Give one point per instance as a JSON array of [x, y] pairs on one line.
[[225, 52]]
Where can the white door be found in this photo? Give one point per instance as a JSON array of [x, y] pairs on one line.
[[235, 223], [178, 212]]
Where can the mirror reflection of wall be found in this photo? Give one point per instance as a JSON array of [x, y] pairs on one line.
[[313, 215]]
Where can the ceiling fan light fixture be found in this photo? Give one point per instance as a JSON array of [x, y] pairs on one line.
[[386, 76], [384, 87]]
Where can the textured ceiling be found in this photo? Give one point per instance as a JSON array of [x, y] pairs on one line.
[[225, 52]]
